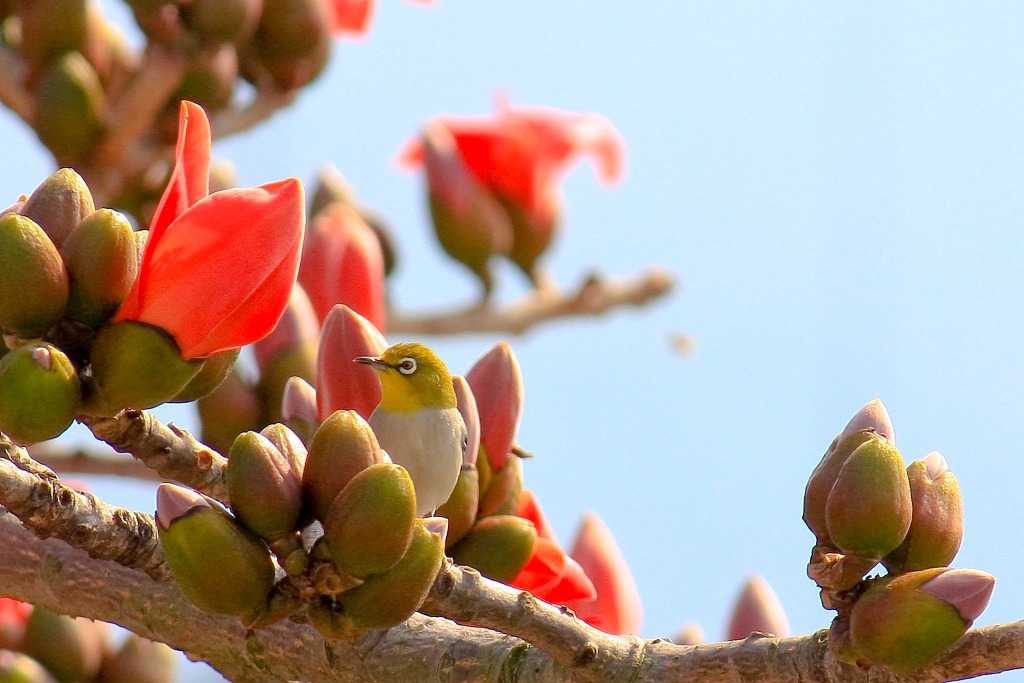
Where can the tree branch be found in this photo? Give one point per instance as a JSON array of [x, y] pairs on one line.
[[596, 295], [66, 460], [267, 101], [171, 452]]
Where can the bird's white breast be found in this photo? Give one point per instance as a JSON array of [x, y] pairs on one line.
[[427, 443]]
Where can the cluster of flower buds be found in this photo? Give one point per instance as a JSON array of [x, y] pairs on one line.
[[493, 183], [97, 317], [371, 566], [40, 646], [866, 507]]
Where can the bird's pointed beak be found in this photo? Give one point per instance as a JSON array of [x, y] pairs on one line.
[[375, 362]]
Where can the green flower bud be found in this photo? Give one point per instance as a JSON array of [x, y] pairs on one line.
[[461, 508], [50, 28], [33, 281], [210, 78], [290, 445], [214, 370], [70, 649], [222, 21], [136, 365], [39, 392], [293, 41], [498, 546], [59, 204], [220, 565], [905, 621], [869, 510], [70, 107], [502, 494], [140, 660], [227, 411], [937, 526], [824, 477], [265, 491], [389, 598], [343, 446], [16, 667], [368, 527], [102, 263]]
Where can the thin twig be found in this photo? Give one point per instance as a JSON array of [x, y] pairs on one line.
[[596, 295], [267, 101]]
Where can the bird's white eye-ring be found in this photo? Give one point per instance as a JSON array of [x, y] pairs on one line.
[[407, 366]]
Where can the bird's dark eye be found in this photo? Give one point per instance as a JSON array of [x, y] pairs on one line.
[[407, 366]]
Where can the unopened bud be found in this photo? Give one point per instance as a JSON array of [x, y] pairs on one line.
[[59, 204], [298, 408], [906, 620], [227, 411], [213, 371], [102, 264], [39, 392], [497, 384], [343, 446], [498, 546], [220, 565], [140, 660], [869, 509], [369, 526], [70, 106], [461, 507], [757, 609], [265, 490], [70, 649], [33, 280], [501, 497], [937, 526], [389, 598]]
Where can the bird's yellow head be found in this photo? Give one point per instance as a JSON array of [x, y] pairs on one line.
[[412, 377]]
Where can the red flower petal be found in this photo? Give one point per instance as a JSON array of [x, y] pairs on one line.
[[342, 384], [553, 576], [616, 608], [350, 17], [529, 509], [342, 263], [221, 273], [497, 384], [189, 182]]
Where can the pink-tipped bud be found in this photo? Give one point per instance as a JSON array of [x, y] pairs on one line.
[[616, 608], [937, 525], [872, 416], [343, 264], [470, 415], [967, 590], [757, 608], [298, 408], [497, 384], [173, 502], [341, 383], [689, 634]]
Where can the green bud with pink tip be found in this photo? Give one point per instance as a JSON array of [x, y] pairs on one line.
[[498, 546], [938, 522], [369, 526], [102, 263], [907, 620], [70, 649], [264, 487], [39, 392], [871, 420], [228, 410], [298, 408], [869, 509], [343, 446], [219, 564], [33, 280], [136, 365]]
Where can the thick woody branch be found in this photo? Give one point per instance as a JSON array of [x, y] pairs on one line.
[[596, 295], [49, 509], [171, 452], [66, 460]]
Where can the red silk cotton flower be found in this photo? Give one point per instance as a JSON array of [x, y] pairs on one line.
[[549, 574], [218, 268], [520, 156], [352, 17]]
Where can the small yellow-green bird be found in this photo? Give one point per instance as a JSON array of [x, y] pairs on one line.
[[418, 422]]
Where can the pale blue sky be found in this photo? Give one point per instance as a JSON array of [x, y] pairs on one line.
[[837, 189]]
